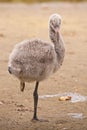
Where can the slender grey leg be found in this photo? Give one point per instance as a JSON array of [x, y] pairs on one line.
[[22, 86], [35, 95]]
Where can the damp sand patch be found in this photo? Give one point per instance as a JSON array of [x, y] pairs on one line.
[[75, 97]]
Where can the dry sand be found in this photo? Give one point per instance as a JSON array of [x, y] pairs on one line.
[[22, 21]]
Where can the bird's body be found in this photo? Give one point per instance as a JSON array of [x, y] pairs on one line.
[[35, 60]]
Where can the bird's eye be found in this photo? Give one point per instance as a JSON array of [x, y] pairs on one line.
[[56, 26]]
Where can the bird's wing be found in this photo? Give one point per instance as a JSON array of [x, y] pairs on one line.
[[47, 55]]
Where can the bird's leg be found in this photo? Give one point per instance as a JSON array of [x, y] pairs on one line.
[[22, 85], [35, 95]]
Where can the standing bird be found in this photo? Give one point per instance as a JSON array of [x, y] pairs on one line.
[[35, 60]]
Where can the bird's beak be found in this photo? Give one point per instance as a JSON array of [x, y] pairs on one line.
[[57, 30]]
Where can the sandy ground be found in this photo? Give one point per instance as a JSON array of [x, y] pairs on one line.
[[21, 21]]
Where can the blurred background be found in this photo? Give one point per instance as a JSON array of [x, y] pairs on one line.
[[30, 1], [28, 19]]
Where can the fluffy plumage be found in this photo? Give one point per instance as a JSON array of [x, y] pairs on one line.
[[32, 60]]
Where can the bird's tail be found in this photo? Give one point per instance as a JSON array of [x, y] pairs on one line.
[[14, 71], [9, 70]]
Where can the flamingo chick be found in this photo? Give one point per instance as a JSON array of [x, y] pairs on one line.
[[35, 60]]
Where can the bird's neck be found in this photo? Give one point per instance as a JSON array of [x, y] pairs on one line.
[[57, 40]]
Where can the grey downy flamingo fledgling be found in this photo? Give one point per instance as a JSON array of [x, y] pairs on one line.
[[35, 60]]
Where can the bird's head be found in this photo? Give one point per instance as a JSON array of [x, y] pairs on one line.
[[55, 22]]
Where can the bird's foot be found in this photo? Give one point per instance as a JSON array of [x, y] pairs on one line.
[[39, 120]]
